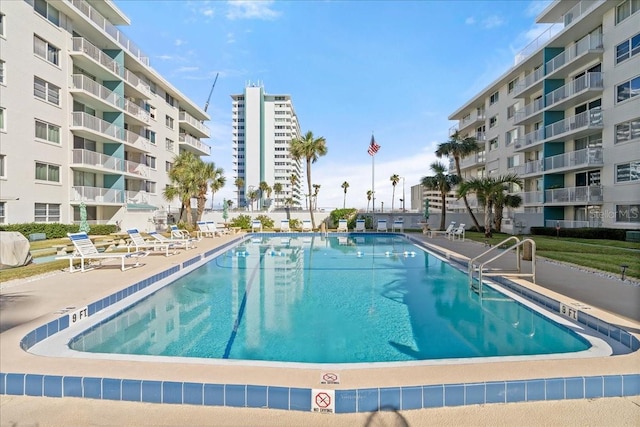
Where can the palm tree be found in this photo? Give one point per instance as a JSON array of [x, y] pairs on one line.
[[202, 174], [252, 196], [504, 200], [486, 190], [217, 182], [239, 183], [369, 196], [344, 186], [277, 188], [459, 147], [263, 186], [294, 180], [183, 183], [316, 190], [442, 182], [395, 179], [309, 148]]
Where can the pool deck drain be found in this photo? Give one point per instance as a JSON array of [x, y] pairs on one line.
[[29, 304]]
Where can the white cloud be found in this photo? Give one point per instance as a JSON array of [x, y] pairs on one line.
[[165, 57], [492, 21], [179, 42], [536, 7], [244, 9], [470, 20], [207, 12], [231, 38], [186, 69]]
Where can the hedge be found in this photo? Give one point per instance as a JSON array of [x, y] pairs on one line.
[[582, 233], [56, 230]]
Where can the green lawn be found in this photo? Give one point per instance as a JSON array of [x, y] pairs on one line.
[[604, 255]]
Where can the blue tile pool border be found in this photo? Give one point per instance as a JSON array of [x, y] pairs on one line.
[[299, 399]]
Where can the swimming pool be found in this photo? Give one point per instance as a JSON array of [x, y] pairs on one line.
[[327, 299]]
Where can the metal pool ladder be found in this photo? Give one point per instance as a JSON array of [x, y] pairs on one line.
[[482, 270]]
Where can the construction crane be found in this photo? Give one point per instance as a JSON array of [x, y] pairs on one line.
[[206, 105]]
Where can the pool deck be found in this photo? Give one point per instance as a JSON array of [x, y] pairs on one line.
[[27, 304]]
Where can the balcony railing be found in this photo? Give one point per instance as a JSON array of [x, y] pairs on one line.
[[580, 9], [87, 10], [563, 223], [185, 138], [92, 158], [582, 83], [533, 197], [528, 110], [530, 138], [137, 197], [534, 167], [529, 80], [96, 194], [110, 131], [183, 116], [582, 46], [135, 81], [81, 81], [83, 45], [572, 159], [590, 194], [587, 119]]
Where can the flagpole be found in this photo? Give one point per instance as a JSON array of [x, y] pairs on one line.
[[373, 188]]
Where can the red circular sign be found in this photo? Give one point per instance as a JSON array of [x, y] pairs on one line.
[[323, 400], [329, 376]]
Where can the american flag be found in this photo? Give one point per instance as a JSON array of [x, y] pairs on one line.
[[373, 147]]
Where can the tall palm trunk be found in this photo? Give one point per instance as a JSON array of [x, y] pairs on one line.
[[487, 218], [443, 218], [313, 221], [464, 198]]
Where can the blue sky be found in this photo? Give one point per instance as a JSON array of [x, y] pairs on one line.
[[394, 68]]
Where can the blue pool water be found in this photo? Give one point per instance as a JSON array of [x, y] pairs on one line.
[[366, 298]]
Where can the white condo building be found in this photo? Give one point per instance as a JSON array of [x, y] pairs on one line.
[[566, 118], [263, 128], [84, 117]]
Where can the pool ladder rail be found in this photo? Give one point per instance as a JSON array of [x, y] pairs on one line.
[[482, 270]]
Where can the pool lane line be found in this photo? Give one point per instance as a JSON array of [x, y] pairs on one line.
[[236, 324]]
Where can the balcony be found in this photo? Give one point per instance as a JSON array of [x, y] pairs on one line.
[[137, 197], [533, 197], [577, 55], [530, 139], [91, 160], [94, 16], [97, 195], [575, 195], [141, 89], [94, 60], [577, 91], [472, 160], [477, 117], [584, 158], [194, 145], [535, 167], [529, 113], [193, 125], [83, 124], [530, 83], [109, 99], [575, 126]]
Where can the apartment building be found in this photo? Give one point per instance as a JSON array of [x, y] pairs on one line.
[[566, 118], [263, 127], [84, 117]]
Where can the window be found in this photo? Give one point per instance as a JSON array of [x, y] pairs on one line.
[[2, 166], [152, 111], [628, 89], [167, 166], [511, 110], [168, 120], [494, 98], [150, 187], [626, 9], [1, 24], [510, 137], [150, 135], [151, 161], [3, 215], [47, 212], [627, 213], [47, 11], [628, 48], [627, 131], [168, 144], [628, 172], [480, 173], [493, 121], [170, 100], [46, 50], [513, 161], [493, 144], [46, 91], [2, 72], [47, 172], [2, 119], [47, 131], [512, 85]]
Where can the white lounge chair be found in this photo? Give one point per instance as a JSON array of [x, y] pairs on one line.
[[342, 225], [446, 232], [256, 225], [360, 225], [137, 242], [382, 225], [284, 225], [181, 243], [398, 225], [85, 250], [218, 229], [177, 233], [204, 230], [306, 225], [457, 233]]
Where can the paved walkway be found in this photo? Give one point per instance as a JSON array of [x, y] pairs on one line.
[[602, 290]]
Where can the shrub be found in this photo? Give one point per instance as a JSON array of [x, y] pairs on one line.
[[265, 221], [55, 230], [582, 233], [242, 221], [338, 214], [295, 223]]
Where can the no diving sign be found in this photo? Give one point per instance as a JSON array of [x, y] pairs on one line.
[[323, 401], [329, 378]]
